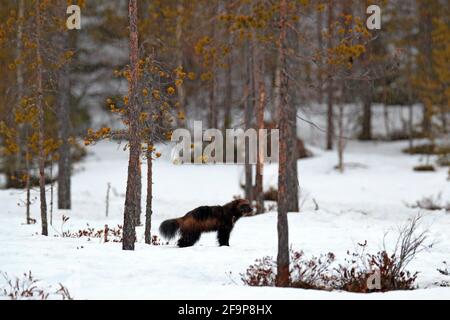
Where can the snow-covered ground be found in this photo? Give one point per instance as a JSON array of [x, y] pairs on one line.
[[364, 203]]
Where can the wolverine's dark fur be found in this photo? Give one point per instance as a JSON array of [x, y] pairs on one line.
[[206, 219]]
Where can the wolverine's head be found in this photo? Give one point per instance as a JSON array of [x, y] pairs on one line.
[[243, 207]]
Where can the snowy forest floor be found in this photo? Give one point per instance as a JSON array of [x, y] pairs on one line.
[[364, 203]]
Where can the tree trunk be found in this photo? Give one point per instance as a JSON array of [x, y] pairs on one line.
[[347, 6], [27, 181], [259, 181], [426, 51], [330, 82], [320, 62], [410, 109], [286, 195], [40, 106], [276, 92], [131, 198], [228, 101], [63, 115], [411, 126], [139, 197], [387, 127], [108, 190], [52, 187], [212, 103], [366, 90], [213, 116], [261, 93], [148, 208], [179, 36], [247, 123], [20, 93], [366, 129], [340, 165], [19, 51]]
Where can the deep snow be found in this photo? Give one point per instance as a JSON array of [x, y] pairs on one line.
[[364, 203]]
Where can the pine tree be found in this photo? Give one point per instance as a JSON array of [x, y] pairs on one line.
[[129, 232], [286, 195]]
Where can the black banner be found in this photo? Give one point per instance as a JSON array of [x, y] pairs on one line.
[[224, 309]]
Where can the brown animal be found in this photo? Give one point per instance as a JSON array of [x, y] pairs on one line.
[[206, 219]]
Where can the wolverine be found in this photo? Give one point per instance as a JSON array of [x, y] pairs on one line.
[[206, 219]]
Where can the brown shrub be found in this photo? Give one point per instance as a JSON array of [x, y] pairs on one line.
[[428, 149], [28, 287], [356, 278], [271, 194], [107, 234], [431, 203], [356, 275], [424, 167]]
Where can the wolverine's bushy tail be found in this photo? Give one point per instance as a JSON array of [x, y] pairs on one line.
[[169, 228]]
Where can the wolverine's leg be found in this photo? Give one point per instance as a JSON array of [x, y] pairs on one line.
[[223, 235], [188, 239]]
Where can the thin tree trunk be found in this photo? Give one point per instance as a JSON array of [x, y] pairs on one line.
[[228, 101], [285, 194], [341, 138], [330, 82], [276, 92], [40, 106], [20, 90], [366, 91], [320, 62], [139, 197], [386, 112], [63, 115], [179, 36], [346, 10], [213, 116], [411, 126], [27, 181], [19, 70], [261, 92], [129, 232], [212, 103], [247, 123], [51, 193], [259, 181], [410, 110], [108, 189], [426, 51], [148, 208], [366, 130]]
